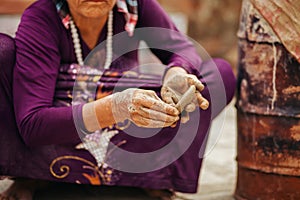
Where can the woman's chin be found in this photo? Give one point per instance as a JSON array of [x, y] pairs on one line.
[[95, 12]]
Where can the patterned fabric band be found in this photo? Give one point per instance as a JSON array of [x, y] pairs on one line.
[[99, 84]]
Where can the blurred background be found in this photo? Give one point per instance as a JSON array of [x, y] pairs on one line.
[[213, 24]]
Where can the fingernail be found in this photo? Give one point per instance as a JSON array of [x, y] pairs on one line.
[[176, 112], [184, 120], [204, 105], [174, 125]]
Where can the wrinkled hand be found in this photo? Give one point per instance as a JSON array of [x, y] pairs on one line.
[[176, 84], [144, 108]]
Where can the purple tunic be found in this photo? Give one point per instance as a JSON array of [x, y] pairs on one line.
[[49, 133]]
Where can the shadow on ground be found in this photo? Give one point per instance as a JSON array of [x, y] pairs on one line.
[[62, 191]]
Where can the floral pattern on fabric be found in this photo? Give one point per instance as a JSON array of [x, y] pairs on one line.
[[97, 175]]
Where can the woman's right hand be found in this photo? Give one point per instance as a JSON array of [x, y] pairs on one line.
[[144, 108]]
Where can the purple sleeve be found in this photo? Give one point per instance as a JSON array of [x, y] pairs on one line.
[[37, 64], [170, 46]]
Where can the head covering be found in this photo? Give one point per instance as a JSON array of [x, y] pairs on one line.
[[128, 7]]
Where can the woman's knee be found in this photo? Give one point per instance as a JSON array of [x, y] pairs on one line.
[[217, 75], [228, 77], [219, 78]]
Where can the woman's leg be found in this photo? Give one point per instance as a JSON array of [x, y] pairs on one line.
[[21, 188]]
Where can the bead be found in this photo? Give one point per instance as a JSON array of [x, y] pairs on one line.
[[77, 51], [77, 46], [76, 40], [109, 49]]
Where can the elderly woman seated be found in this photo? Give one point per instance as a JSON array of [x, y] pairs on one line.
[[78, 109]]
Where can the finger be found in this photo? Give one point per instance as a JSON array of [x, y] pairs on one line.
[[187, 98], [185, 117], [174, 95], [157, 105], [152, 94], [139, 120], [144, 94], [167, 96], [193, 80], [199, 85], [203, 103], [190, 107], [174, 125], [148, 123], [168, 99], [170, 96], [155, 115]]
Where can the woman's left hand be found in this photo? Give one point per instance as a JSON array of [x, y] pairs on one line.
[[176, 82]]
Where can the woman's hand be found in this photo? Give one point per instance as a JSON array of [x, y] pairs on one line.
[[144, 108], [175, 85]]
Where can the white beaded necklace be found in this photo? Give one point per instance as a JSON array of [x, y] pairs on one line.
[[109, 41]]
